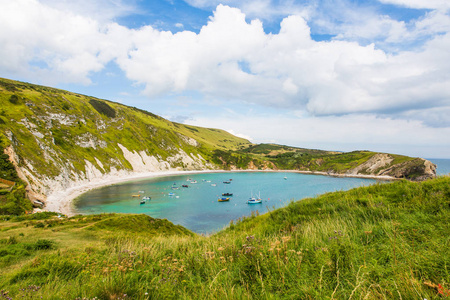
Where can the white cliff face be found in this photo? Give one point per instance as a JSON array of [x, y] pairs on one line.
[[376, 162]]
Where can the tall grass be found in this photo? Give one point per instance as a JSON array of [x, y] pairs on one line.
[[388, 241]]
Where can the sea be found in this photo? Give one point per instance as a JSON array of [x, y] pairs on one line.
[[196, 206]]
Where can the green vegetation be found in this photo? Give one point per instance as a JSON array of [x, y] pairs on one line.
[[13, 198], [386, 241]]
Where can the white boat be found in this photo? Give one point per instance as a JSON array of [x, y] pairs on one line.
[[194, 181], [254, 200], [213, 184], [146, 198], [171, 194]]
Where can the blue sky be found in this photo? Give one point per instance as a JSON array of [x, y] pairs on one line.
[[335, 74]]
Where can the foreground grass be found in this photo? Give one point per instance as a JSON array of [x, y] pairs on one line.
[[387, 241]]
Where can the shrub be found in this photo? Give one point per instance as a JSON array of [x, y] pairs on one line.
[[14, 99], [103, 108]]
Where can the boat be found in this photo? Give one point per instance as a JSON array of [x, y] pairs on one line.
[[137, 195], [184, 185], [213, 184], [227, 182], [142, 202], [208, 180], [223, 199], [227, 194], [175, 188], [146, 198], [194, 181], [285, 178], [171, 194], [254, 200], [141, 192]]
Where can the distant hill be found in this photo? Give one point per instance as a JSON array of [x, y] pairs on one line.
[[57, 139]]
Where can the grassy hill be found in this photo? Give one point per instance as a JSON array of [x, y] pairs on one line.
[[386, 241]]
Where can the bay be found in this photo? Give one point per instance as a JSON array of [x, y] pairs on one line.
[[196, 207]]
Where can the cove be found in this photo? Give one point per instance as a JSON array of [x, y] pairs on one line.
[[196, 207]]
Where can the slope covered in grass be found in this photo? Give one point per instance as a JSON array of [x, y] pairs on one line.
[[387, 241]]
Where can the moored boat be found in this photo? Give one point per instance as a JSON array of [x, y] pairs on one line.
[[254, 200], [223, 199], [227, 194]]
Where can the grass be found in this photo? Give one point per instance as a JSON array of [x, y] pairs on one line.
[[386, 241]]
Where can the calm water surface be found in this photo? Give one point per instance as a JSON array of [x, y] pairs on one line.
[[443, 165], [197, 208]]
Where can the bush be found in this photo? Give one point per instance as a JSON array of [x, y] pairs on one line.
[[103, 108], [14, 99], [16, 202]]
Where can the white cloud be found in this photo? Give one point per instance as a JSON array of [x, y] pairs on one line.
[[342, 133], [420, 4], [40, 41]]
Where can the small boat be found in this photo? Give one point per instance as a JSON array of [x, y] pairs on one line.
[[146, 198], [194, 181], [227, 194], [137, 195], [175, 188], [171, 194], [142, 202], [285, 178], [213, 184], [184, 185], [227, 182], [208, 180], [223, 199], [141, 192], [254, 200]]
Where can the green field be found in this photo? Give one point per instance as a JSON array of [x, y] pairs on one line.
[[386, 241]]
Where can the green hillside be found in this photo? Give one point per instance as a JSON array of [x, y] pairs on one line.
[[386, 241], [49, 127]]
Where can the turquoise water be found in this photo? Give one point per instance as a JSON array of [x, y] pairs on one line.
[[197, 208]]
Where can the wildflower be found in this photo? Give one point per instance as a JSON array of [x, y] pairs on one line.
[[221, 249]]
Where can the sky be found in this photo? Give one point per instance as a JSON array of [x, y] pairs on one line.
[[337, 75]]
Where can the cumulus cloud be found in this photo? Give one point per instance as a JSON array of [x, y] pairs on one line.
[[40, 41], [232, 58]]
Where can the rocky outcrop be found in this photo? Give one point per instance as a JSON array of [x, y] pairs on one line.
[[418, 169], [381, 165]]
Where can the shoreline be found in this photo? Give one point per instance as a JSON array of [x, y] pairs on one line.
[[61, 201]]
